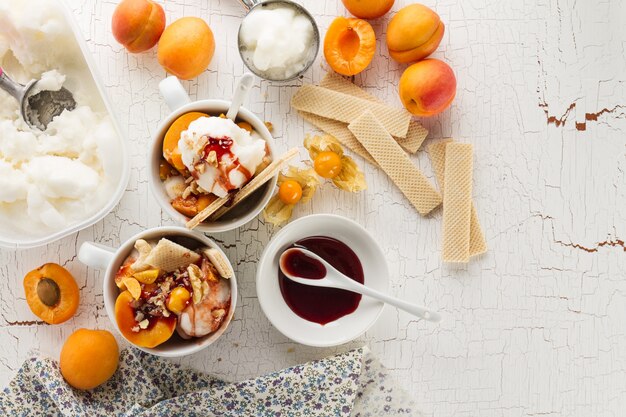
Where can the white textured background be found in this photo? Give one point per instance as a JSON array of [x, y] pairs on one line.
[[535, 327]]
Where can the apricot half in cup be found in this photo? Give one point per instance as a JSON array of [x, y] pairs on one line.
[[349, 45], [159, 330], [51, 293], [171, 153]]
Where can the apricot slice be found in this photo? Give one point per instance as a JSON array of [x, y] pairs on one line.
[[89, 358], [192, 205], [51, 293], [349, 45], [157, 332], [246, 126], [133, 286], [146, 277], [125, 271], [171, 153]]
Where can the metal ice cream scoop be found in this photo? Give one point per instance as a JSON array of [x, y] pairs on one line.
[[40, 108]]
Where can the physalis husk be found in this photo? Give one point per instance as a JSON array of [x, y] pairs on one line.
[[277, 212], [351, 178]]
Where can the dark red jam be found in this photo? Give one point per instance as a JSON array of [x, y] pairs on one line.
[[221, 146], [296, 263], [324, 305]]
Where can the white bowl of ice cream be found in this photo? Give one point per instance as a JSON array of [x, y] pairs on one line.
[[217, 158], [68, 177], [278, 39]]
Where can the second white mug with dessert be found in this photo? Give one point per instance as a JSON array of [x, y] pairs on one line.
[[207, 171], [169, 291]]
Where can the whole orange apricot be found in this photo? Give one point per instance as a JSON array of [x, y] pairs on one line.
[[368, 9], [414, 33], [89, 358], [349, 45], [427, 87], [138, 24], [186, 47]]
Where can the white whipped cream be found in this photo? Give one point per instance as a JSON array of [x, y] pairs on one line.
[[50, 180], [234, 168]]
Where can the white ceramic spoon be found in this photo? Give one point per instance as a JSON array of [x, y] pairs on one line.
[[241, 92], [331, 278]]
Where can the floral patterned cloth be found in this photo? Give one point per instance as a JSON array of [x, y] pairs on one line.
[[350, 384]]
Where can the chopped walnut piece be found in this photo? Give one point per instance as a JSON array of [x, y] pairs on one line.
[[211, 158], [144, 324], [219, 313]]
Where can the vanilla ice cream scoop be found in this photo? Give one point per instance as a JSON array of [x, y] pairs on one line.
[[220, 155]]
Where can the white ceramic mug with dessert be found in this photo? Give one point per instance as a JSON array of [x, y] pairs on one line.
[[168, 291], [232, 154]]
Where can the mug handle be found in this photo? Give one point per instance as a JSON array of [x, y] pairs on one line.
[[95, 255], [173, 93]]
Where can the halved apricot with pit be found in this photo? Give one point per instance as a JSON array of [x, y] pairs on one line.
[[349, 45], [157, 332], [171, 153], [51, 293]]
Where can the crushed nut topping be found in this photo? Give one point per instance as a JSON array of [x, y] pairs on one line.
[[211, 158]]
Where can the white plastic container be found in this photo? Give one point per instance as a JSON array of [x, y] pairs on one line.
[[13, 241]]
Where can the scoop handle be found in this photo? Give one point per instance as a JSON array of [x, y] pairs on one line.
[[249, 4], [241, 92], [10, 86]]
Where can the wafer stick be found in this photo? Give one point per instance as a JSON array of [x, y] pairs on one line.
[[346, 108], [415, 135], [437, 153], [457, 202], [395, 162], [256, 182]]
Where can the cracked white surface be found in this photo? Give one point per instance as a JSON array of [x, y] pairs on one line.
[[535, 327]]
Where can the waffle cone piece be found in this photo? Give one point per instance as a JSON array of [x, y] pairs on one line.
[[169, 256], [437, 153], [395, 162]]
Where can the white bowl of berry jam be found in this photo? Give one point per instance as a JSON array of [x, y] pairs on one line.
[[317, 316], [168, 291]]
